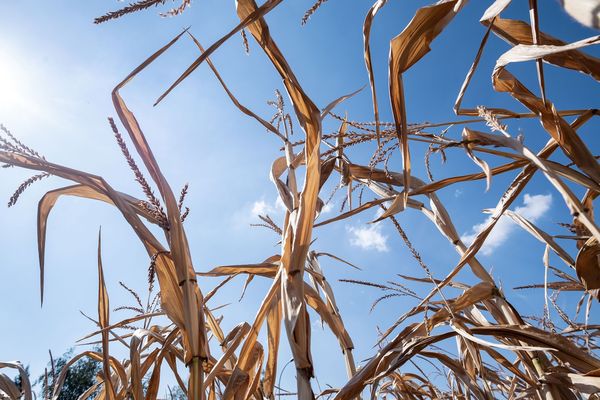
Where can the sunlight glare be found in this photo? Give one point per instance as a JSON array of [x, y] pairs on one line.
[[12, 79]]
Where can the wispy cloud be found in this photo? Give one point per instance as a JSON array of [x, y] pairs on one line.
[[368, 237], [327, 208], [533, 208], [249, 213], [261, 207], [264, 207]]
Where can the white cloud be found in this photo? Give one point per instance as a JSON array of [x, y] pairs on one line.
[[368, 237], [261, 207], [249, 213], [327, 208], [533, 208]]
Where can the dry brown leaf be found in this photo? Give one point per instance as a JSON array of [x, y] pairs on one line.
[[587, 264]]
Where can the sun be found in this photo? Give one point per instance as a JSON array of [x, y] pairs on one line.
[[13, 81]]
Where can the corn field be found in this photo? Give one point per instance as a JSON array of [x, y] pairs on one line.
[[471, 335]]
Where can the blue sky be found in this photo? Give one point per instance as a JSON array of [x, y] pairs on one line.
[[56, 73]]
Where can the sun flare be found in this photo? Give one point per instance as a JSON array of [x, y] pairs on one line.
[[13, 81]]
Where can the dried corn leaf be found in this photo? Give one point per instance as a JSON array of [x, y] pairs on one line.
[[587, 264]]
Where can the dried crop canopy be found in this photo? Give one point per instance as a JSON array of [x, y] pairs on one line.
[[499, 353]]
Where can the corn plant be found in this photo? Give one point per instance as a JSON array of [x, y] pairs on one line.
[[499, 352]]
